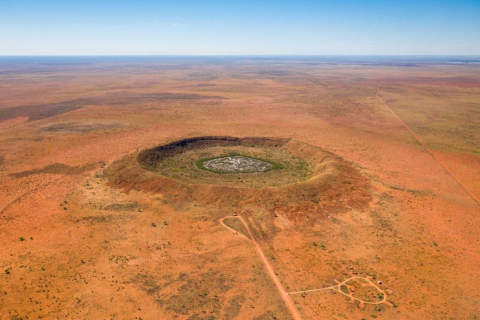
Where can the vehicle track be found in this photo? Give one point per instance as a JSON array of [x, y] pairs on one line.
[[338, 289], [477, 201], [285, 296], [21, 196]]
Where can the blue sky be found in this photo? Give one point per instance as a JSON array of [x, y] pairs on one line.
[[296, 27]]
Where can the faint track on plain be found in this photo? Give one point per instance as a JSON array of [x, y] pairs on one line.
[[21, 196], [424, 146], [285, 296]]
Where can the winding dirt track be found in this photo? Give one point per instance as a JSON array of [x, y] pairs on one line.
[[338, 289], [285, 296]]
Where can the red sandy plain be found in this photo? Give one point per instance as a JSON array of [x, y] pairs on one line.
[[76, 246]]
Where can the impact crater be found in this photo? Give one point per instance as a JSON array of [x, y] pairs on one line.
[[282, 176], [228, 161]]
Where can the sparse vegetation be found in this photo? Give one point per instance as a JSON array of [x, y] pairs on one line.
[[236, 225], [355, 194]]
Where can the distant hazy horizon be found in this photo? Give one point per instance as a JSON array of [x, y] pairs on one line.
[[422, 59], [247, 28], [403, 56]]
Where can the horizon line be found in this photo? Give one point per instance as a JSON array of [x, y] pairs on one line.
[[243, 55]]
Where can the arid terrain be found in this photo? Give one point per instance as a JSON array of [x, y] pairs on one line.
[[367, 204]]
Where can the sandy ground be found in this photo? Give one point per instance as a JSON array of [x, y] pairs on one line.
[[76, 248]]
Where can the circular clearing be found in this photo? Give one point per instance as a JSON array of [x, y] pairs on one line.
[[236, 164]]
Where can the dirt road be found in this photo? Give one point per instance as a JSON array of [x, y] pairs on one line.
[[285, 296]]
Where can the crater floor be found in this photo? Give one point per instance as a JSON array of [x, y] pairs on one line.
[[235, 164]]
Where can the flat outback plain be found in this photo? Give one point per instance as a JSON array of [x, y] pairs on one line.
[[340, 188]]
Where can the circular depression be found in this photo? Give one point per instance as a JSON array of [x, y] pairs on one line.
[[241, 162]]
